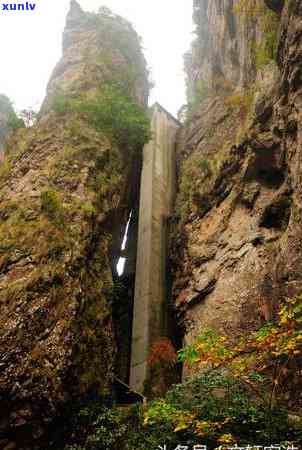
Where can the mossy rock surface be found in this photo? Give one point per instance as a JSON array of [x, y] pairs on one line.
[[63, 188]]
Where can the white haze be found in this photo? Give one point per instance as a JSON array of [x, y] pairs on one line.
[[31, 46]]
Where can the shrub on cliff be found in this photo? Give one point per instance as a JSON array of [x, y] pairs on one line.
[[202, 170], [14, 122], [112, 112], [52, 207], [213, 408], [266, 363], [239, 397], [266, 50], [7, 110]]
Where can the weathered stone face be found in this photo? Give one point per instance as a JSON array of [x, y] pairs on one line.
[[237, 253], [222, 54], [97, 49], [65, 187]]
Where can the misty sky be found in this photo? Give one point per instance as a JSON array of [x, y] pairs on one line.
[[31, 45]]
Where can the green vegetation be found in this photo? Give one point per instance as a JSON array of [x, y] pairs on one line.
[[79, 160], [239, 396], [5, 168], [251, 8], [242, 100], [52, 207], [243, 103], [14, 122], [266, 50], [61, 104], [213, 408], [196, 179], [204, 166], [264, 362], [112, 112], [6, 108]]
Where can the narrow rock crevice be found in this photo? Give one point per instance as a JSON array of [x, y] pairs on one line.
[[123, 265], [277, 214]]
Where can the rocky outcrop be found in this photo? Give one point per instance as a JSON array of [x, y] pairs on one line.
[[230, 38], [96, 53], [237, 241], [7, 117], [65, 187]]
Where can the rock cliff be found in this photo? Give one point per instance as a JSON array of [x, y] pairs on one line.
[[64, 190], [236, 238], [231, 35]]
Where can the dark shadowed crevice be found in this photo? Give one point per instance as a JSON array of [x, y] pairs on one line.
[[122, 307], [266, 170], [123, 265], [175, 330], [272, 178], [277, 214]]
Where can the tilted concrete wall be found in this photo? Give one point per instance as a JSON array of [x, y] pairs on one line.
[[156, 201]]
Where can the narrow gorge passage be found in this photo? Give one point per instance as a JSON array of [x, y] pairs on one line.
[[151, 269], [157, 192], [141, 311]]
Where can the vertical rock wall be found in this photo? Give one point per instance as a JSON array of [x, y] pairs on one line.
[[228, 34], [63, 205], [236, 252], [156, 201]]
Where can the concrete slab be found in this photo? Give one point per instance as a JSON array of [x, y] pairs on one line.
[[156, 202]]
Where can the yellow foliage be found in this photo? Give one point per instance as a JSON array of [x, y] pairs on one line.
[[273, 347], [183, 421], [251, 8], [226, 439], [202, 428]]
